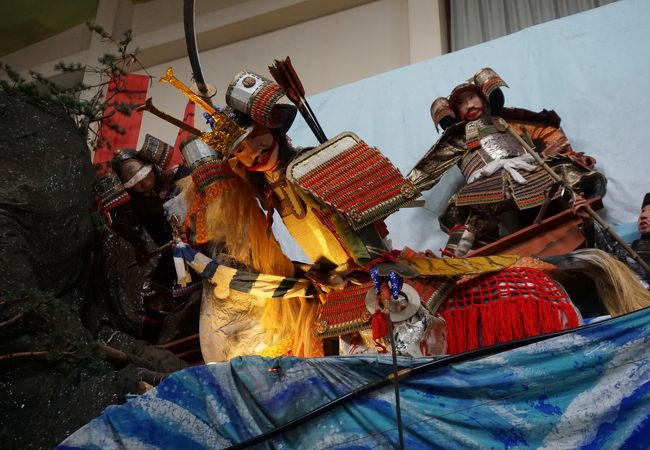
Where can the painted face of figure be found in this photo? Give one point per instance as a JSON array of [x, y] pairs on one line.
[[137, 176], [469, 106], [259, 152], [643, 223], [147, 184]]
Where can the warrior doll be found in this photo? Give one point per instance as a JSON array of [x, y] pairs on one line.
[[505, 189]]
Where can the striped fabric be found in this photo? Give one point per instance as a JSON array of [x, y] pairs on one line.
[[227, 278], [459, 266]]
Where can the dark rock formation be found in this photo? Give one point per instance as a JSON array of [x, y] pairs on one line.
[[54, 297], [45, 199]]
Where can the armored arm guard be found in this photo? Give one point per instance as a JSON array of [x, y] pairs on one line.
[[443, 155]]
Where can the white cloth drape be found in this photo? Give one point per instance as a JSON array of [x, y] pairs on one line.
[[476, 21]]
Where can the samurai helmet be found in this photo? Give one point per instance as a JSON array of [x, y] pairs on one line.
[[130, 167], [258, 98], [486, 83], [154, 155], [442, 114], [489, 81], [156, 151]]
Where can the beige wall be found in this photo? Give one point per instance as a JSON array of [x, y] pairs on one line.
[[331, 42], [70, 46], [330, 51], [327, 51]]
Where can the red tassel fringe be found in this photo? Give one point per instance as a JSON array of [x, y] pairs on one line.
[[379, 325], [512, 304]]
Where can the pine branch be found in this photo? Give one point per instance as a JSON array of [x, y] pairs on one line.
[[12, 320], [84, 111]]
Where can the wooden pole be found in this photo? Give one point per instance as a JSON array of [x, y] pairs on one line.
[[148, 256], [566, 186]]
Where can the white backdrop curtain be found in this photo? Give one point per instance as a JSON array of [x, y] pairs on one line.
[[476, 21]]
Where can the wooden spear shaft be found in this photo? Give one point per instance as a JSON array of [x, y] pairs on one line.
[[148, 106], [150, 255], [594, 215]]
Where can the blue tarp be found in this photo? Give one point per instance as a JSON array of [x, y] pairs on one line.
[[586, 389]]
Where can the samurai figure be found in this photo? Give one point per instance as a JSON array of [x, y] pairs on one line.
[[316, 193], [226, 212], [505, 189], [337, 239], [264, 155], [133, 198]]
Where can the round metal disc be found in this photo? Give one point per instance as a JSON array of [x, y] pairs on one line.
[[406, 305]]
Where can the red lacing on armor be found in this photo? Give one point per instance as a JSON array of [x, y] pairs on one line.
[[390, 256], [460, 227], [199, 201], [446, 252]]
